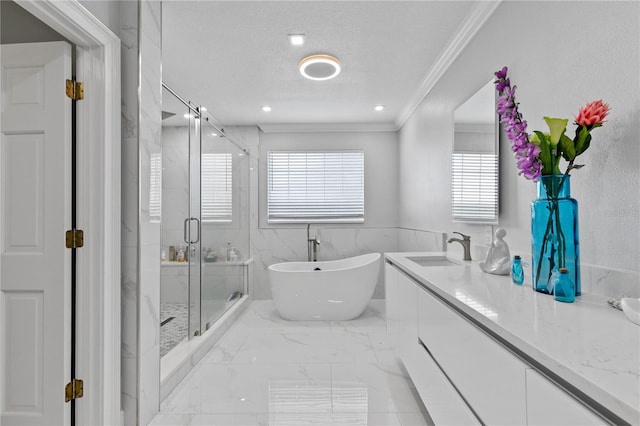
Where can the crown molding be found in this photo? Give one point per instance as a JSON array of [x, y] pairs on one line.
[[474, 20], [331, 127]]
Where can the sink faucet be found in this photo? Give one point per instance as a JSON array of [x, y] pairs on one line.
[[466, 244], [312, 246]]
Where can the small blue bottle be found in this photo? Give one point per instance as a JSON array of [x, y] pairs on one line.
[[564, 290], [517, 274]]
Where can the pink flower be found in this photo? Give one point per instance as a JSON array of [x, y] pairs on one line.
[[593, 114]]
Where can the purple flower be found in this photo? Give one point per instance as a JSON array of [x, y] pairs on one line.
[[501, 74], [526, 153]]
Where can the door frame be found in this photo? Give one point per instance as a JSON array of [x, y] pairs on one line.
[[98, 205]]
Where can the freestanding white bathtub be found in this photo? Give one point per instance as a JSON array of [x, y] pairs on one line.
[[338, 291]]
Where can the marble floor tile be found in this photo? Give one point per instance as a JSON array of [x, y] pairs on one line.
[[386, 356], [262, 317], [373, 387], [248, 388], [372, 320], [269, 371], [280, 419], [227, 347], [415, 419], [306, 347]]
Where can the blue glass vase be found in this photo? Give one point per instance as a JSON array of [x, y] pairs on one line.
[[554, 233]]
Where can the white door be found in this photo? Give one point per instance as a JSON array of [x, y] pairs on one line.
[[35, 200]]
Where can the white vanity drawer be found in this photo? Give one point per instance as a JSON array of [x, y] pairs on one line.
[[489, 377], [547, 404]]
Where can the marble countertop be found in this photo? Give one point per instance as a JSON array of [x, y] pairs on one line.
[[587, 344]]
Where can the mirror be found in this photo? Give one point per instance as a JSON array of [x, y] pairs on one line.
[[474, 163]]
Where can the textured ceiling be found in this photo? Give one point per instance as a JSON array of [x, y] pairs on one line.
[[234, 56]]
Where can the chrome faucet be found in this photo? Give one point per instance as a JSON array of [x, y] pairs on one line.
[[466, 244], [312, 246]]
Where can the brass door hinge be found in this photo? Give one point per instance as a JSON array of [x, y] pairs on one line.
[[75, 90], [73, 390], [75, 238]]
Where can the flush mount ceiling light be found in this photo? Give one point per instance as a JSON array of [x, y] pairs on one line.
[[379, 107], [319, 67], [266, 108]]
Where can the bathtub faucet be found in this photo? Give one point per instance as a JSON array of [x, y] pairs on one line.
[[465, 242], [312, 246]]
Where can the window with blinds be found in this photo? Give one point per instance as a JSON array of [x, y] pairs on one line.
[[155, 188], [216, 187], [475, 187], [315, 186]]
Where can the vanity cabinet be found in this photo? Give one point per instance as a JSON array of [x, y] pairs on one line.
[[549, 405], [464, 375], [489, 377], [402, 310], [446, 406]]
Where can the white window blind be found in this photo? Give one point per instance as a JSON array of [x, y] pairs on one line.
[[216, 187], [155, 188], [315, 186], [475, 187]]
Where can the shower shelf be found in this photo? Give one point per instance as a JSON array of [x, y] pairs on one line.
[[207, 264]]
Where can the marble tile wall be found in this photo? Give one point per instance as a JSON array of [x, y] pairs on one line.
[[417, 240], [140, 34], [150, 143], [271, 246], [128, 34]]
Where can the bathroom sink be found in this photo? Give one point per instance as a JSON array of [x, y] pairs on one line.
[[436, 260]]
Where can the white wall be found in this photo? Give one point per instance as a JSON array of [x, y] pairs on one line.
[[279, 243], [560, 55]]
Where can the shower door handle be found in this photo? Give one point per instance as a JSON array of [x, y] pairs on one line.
[[187, 238]]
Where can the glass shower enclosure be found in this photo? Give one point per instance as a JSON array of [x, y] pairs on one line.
[[203, 212]]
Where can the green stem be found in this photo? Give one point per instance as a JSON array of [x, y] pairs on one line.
[[553, 213]]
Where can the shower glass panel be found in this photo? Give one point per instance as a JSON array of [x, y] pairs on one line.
[[225, 237], [178, 129]]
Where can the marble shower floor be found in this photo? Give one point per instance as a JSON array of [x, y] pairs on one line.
[[269, 371]]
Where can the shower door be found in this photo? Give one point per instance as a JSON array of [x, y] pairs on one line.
[[178, 211]]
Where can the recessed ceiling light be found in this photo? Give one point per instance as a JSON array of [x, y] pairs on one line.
[[266, 108], [203, 109], [379, 107], [215, 135], [296, 39], [319, 67]]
